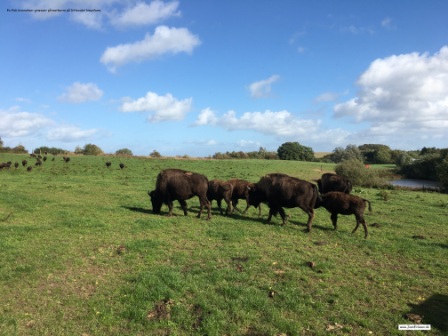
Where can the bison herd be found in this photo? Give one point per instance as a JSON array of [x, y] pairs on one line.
[[277, 190]]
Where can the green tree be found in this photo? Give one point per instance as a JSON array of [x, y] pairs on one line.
[[91, 149], [155, 154], [351, 152], [295, 151], [442, 174], [124, 151]]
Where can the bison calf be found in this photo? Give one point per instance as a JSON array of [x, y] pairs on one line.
[[337, 202], [220, 190]]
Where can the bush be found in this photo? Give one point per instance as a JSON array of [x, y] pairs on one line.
[[124, 151], [356, 172], [91, 149]]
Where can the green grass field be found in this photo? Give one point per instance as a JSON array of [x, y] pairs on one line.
[[82, 254]]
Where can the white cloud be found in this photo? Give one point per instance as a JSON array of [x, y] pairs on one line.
[[144, 14], [206, 117], [164, 107], [387, 23], [282, 123], [405, 94], [327, 97], [81, 92], [92, 20], [165, 40], [70, 134], [16, 123], [262, 88]]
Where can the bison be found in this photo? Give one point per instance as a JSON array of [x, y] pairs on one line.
[[337, 202], [24, 162], [280, 190], [108, 164], [220, 190], [180, 185], [332, 182], [121, 165], [240, 191]]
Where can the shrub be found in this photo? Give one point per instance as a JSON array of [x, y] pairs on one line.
[[356, 172], [295, 151]]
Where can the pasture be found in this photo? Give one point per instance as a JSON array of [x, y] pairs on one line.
[[82, 254]]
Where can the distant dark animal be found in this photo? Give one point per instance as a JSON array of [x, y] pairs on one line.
[[179, 185], [240, 191], [337, 202], [38, 163], [121, 165], [24, 162], [280, 190], [33, 155], [220, 190], [45, 158], [39, 156], [5, 165], [66, 158], [333, 182], [16, 165], [29, 168], [108, 164]]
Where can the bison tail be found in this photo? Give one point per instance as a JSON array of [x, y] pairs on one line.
[[318, 198], [370, 206]]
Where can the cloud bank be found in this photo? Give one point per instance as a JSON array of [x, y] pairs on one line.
[[163, 108], [165, 40], [402, 94]]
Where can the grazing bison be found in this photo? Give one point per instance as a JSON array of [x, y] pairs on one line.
[[29, 168], [108, 164], [281, 190], [332, 182], [5, 165], [180, 185], [16, 165], [220, 190], [240, 191], [121, 165], [24, 162], [337, 202]]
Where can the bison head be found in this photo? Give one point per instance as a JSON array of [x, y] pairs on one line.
[[156, 201], [254, 196]]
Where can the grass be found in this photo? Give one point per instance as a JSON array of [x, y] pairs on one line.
[[82, 253]]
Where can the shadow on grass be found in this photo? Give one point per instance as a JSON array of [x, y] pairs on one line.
[[141, 210], [434, 311]]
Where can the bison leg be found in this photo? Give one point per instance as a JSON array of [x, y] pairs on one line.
[[183, 205], [229, 206], [334, 220], [360, 219], [310, 219], [283, 215], [219, 206], [204, 202], [170, 208]]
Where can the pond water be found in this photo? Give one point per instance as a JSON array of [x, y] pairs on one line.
[[412, 183]]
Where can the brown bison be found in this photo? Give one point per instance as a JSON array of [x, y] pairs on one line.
[[332, 182], [24, 162], [180, 185], [240, 191], [337, 202], [220, 190], [281, 190]]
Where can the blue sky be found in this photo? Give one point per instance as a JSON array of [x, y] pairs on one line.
[[200, 77]]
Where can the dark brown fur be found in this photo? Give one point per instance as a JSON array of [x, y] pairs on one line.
[[220, 190], [337, 202], [179, 185], [332, 182], [240, 191], [280, 190]]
